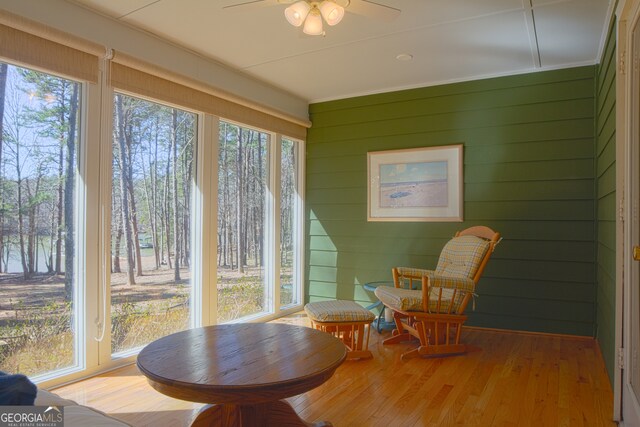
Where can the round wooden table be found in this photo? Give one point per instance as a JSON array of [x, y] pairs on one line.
[[244, 370]]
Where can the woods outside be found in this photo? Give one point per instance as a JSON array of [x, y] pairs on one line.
[[153, 169]]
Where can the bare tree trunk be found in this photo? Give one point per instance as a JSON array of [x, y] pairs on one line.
[[37, 249], [116, 249], [246, 200], [136, 232], [230, 238], [150, 208], [255, 221], [69, 186], [260, 208], [31, 235], [32, 242], [176, 236], [132, 201], [3, 86], [167, 212], [162, 231], [224, 212], [126, 214], [52, 242], [186, 217], [58, 267], [239, 205], [150, 195], [23, 255], [21, 230], [154, 193]]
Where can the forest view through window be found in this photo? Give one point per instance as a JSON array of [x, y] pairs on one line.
[[39, 121], [44, 180], [242, 180], [289, 214], [153, 171]]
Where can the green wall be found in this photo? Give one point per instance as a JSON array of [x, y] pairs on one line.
[[528, 173], [606, 199]]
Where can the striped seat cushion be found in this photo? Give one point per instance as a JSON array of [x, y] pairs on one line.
[[411, 300], [338, 311]]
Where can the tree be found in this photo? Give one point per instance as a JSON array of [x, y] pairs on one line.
[[150, 185], [70, 173], [56, 119], [124, 170], [176, 237], [240, 208], [20, 151], [132, 203], [3, 86]]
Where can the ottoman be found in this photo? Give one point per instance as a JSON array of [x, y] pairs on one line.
[[347, 321]]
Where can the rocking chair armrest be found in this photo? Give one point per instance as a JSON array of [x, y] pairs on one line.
[[410, 273], [463, 284], [462, 287]]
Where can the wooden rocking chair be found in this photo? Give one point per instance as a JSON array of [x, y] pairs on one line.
[[434, 314]]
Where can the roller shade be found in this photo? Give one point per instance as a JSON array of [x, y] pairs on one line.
[[30, 43], [31, 50], [181, 91]]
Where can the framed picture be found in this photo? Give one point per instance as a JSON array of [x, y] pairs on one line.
[[421, 184]]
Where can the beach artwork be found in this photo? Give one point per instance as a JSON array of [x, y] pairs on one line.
[[416, 185]]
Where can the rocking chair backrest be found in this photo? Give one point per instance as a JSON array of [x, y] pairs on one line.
[[493, 238], [466, 255], [462, 256]]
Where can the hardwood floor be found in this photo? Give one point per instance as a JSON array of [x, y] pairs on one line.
[[509, 379]]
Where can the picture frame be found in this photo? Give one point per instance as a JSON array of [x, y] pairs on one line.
[[418, 184]]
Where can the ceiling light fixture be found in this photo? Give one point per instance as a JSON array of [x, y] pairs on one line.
[[311, 12]]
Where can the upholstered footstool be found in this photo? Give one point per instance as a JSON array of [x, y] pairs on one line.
[[345, 320]]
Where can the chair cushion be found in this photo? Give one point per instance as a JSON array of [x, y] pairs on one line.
[[400, 298], [411, 300], [461, 256], [338, 311]]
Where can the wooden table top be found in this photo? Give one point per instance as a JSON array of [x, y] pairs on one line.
[[241, 363]]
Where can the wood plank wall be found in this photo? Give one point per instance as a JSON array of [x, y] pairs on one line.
[[529, 171], [606, 199]]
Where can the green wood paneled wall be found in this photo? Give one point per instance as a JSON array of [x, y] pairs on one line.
[[529, 172], [606, 199]]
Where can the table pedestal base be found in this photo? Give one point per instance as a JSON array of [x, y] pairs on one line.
[[278, 413]]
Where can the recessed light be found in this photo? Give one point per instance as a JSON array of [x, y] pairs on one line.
[[404, 57]]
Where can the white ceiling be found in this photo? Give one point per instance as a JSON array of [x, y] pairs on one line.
[[450, 40]]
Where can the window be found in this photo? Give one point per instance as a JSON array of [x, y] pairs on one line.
[[290, 224], [153, 170], [40, 282], [91, 206], [242, 180], [248, 217]]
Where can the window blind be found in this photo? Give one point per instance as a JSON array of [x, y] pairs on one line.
[[182, 91], [35, 45]]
